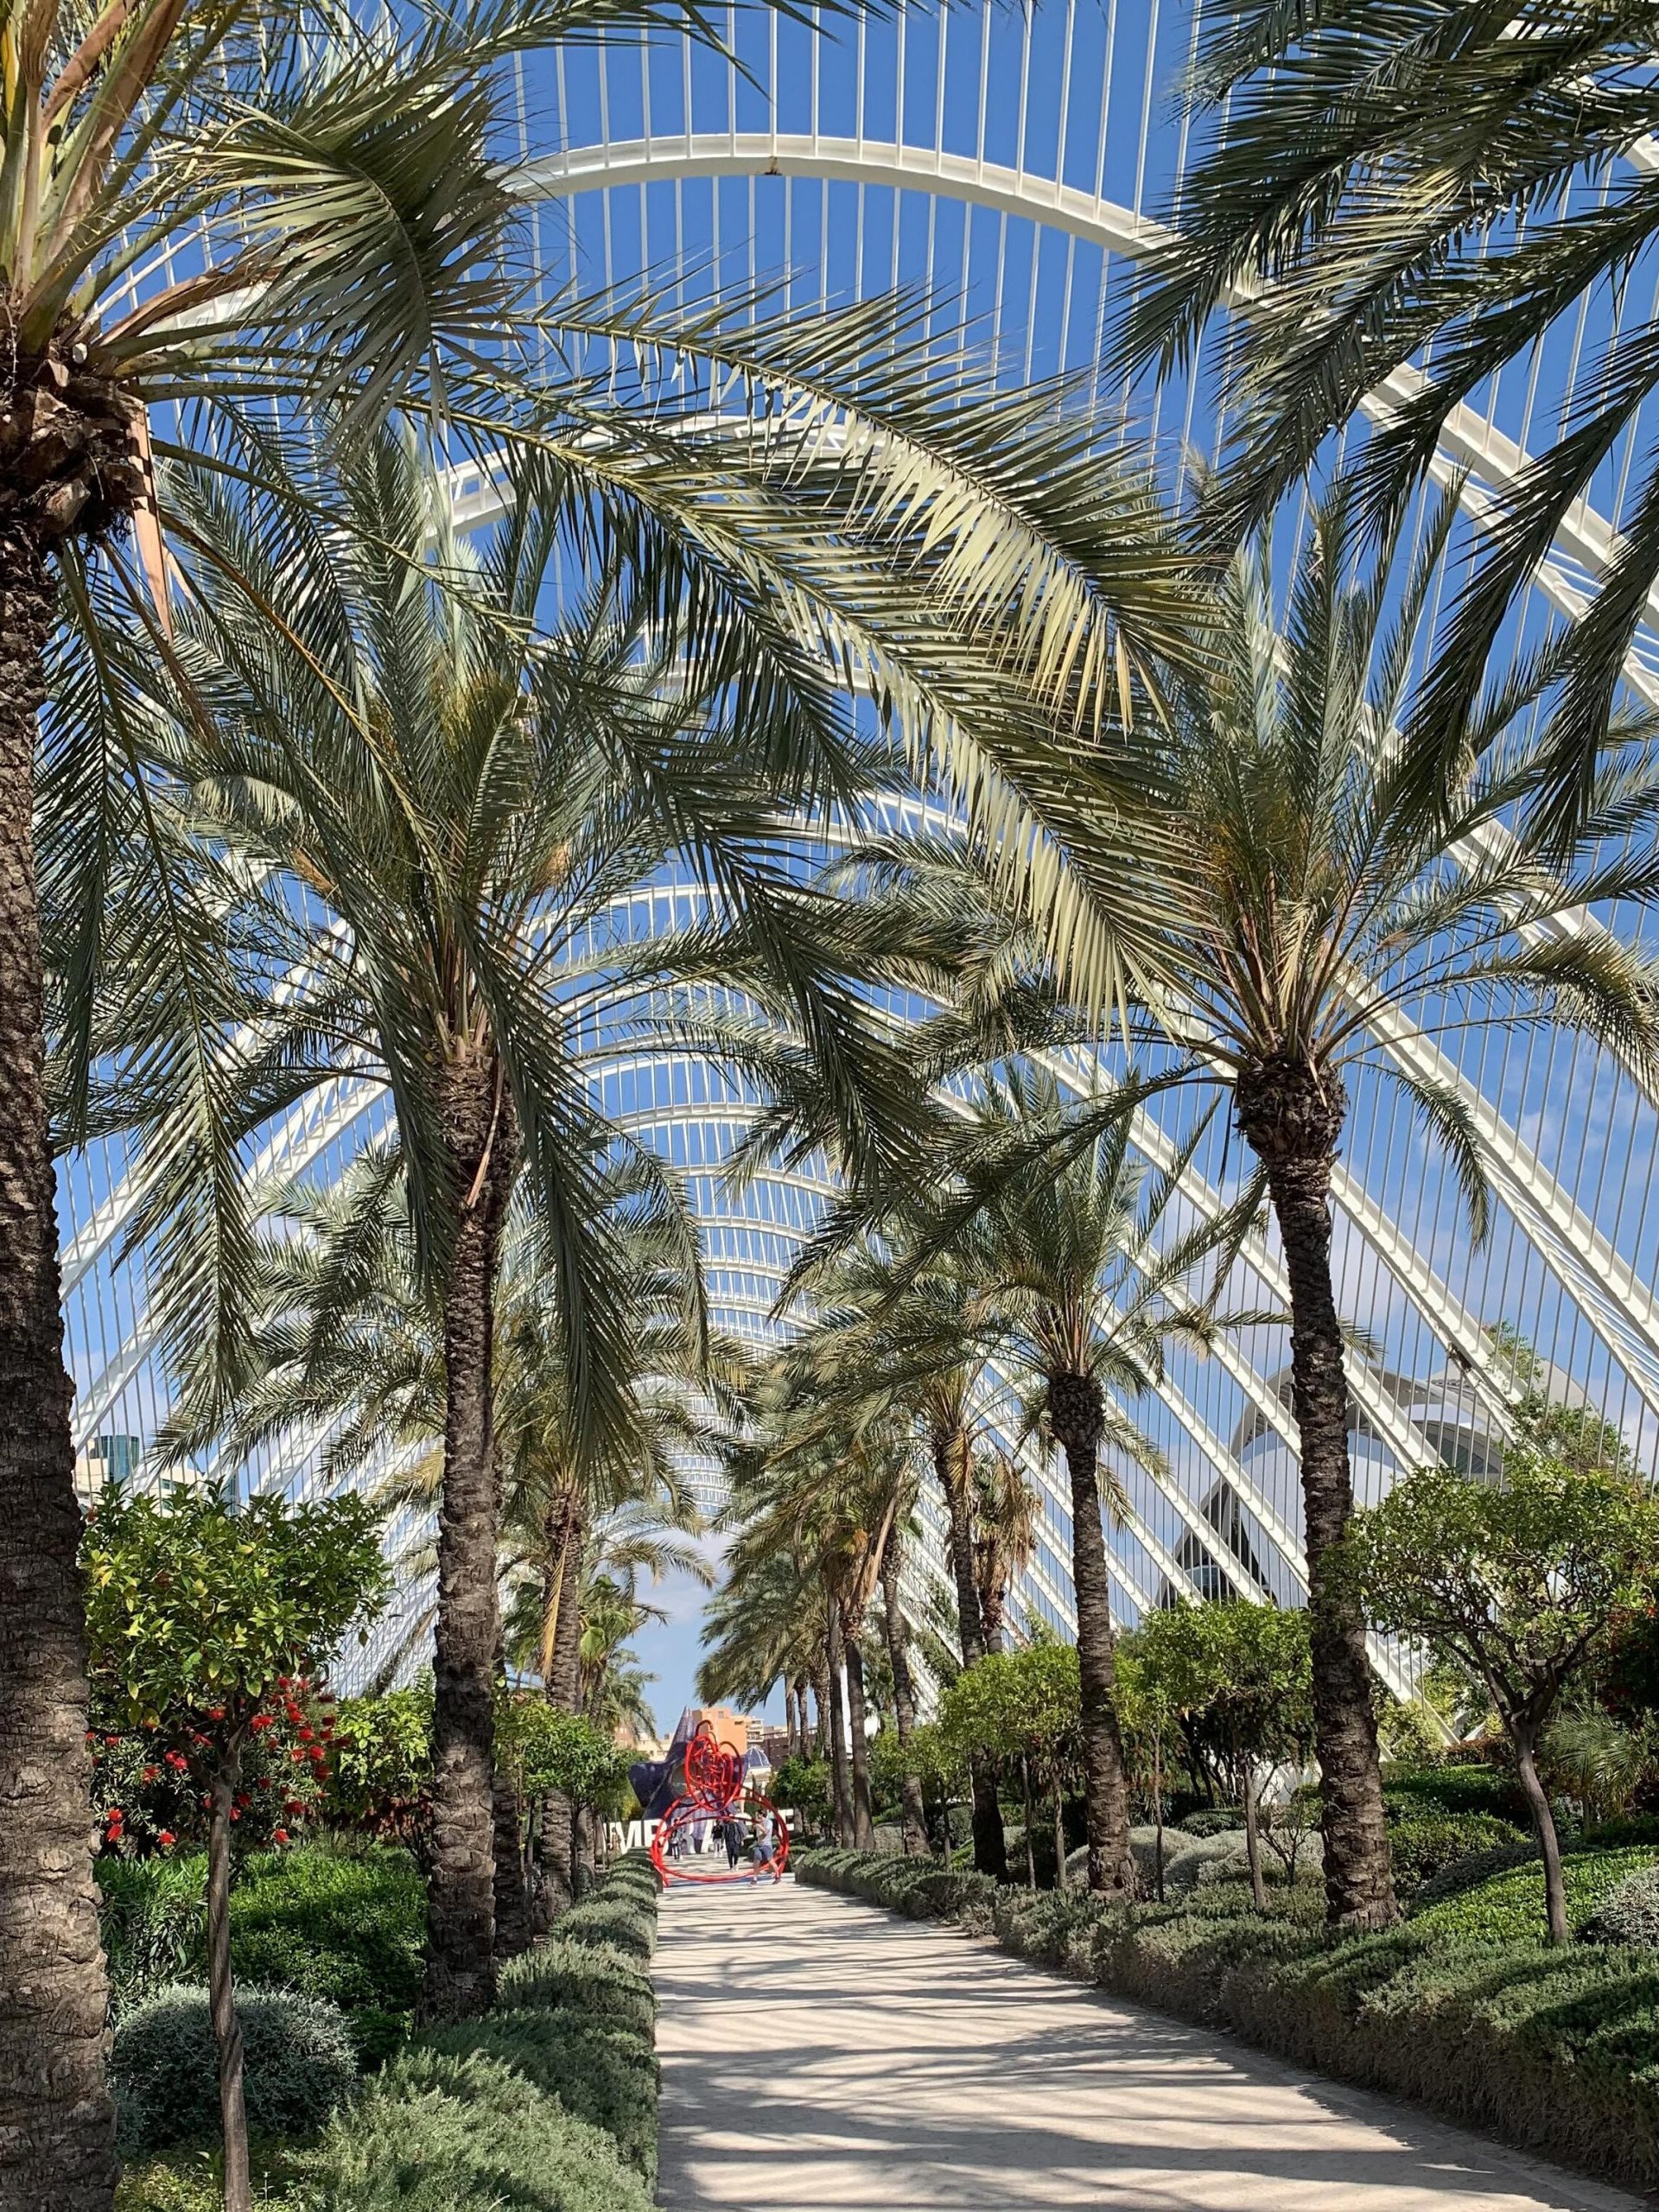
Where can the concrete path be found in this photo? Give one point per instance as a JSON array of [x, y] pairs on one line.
[[820, 2052]]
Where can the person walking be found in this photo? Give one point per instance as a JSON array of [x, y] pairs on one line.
[[764, 1850]]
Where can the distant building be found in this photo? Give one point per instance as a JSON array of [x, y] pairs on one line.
[[105, 1460]]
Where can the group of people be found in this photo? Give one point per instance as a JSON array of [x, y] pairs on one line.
[[756, 1830]]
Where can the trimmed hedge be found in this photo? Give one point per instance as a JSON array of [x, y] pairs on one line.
[[1509, 1907], [548, 2104], [1428, 1844], [1557, 2051], [921, 1888]]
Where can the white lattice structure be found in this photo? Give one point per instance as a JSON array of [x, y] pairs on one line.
[[1016, 163]]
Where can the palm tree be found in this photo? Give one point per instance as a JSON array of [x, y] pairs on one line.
[[897, 1339], [1087, 1274], [1328, 893], [1393, 204], [1005, 1517]]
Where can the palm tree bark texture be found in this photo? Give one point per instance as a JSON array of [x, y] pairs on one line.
[[1076, 1414], [479, 1138], [57, 2123], [951, 1464], [840, 1780], [857, 1717], [904, 1701], [562, 1686], [1291, 1115]]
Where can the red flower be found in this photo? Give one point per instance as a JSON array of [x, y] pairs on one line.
[[279, 1835], [297, 1756], [216, 1713], [236, 1812], [293, 1804], [92, 1735], [306, 1736], [151, 1774], [263, 1720], [282, 1682], [112, 1741], [177, 1760], [167, 1839]]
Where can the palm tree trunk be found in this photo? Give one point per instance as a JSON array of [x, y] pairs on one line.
[[1075, 1413], [840, 1784], [820, 1716], [582, 1849], [951, 1462], [561, 1687], [460, 1977], [221, 1996], [1291, 1121], [512, 1929], [57, 2124], [788, 1716], [863, 1810], [904, 1702]]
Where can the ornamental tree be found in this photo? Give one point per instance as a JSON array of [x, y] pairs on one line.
[[1523, 1583], [203, 1618], [1241, 1677], [1023, 1709]]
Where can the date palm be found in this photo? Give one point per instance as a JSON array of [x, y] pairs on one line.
[[1332, 896], [1397, 202], [1089, 1273]]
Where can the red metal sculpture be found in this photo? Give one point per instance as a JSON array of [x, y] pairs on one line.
[[713, 1794]]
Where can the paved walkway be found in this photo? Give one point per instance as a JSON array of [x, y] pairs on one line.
[[820, 2052]]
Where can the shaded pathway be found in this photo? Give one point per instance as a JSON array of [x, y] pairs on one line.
[[821, 2052]]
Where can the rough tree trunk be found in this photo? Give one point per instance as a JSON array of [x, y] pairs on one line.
[[904, 1702], [951, 1462], [221, 1997], [512, 1927], [1031, 1824], [582, 1849], [1524, 1738], [820, 1716], [1076, 1415], [561, 1687], [478, 1133], [1252, 1833], [57, 2124], [1291, 1121], [863, 1809], [840, 1783]]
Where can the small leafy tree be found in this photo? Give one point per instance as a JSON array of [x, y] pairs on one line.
[[1023, 1710], [201, 1616], [381, 1772], [1242, 1676], [1523, 1584]]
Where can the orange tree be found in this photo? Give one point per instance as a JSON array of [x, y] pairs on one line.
[[201, 1617]]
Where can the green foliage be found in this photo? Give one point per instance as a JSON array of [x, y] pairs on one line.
[[300, 2059], [1429, 1843], [543, 1748], [349, 1929], [607, 1984], [803, 1786], [603, 2071], [438, 2133], [1629, 1913], [1239, 1674], [1410, 1791], [1017, 1704], [189, 2180], [1521, 1582], [195, 1604], [918, 1887], [1211, 1819], [383, 1762], [1509, 1906]]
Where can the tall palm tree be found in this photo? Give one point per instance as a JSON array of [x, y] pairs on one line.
[[1400, 202], [1088, 1273], [899, 1339], [1327, 891]]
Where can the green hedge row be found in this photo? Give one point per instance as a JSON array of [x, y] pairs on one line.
[[921, 1887], [548, 2104], [1556, 2051]]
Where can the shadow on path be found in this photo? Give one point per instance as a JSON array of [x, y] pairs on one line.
[[820, 2052]]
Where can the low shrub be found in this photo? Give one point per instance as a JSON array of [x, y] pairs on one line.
[[439, 2134], [1509, 1906], [603, 2071], [1556, 2050], [1429, 1843], [193, 2180], [1628, 1914], [563, 1973], [919, 1887], [299, 2060], [1211, 1819], [1411, 1792], [619, 1914]]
